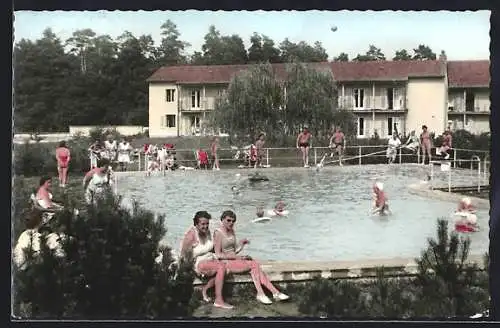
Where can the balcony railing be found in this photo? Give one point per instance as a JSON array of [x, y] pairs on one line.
[[371, 103], [186, 104], [459, 106]]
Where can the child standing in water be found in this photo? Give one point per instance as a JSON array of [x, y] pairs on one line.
[[380, 205]]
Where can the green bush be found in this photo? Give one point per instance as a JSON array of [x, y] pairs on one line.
[[108, 272]]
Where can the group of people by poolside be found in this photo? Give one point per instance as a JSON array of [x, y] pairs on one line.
[[112, 151], [216, 255], [337, 144]]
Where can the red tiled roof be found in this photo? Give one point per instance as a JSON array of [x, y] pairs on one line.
[[469, 73], [386, 70], [342, 71], [214, 74]]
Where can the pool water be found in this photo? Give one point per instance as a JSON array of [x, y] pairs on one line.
[[329, 209]]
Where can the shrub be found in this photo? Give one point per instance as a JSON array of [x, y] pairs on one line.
[[445, 286], [332, 298], [108, 270], [445, 277]]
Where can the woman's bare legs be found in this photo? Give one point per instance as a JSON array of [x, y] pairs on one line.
[[259, 278], [209, 268], [64, 177], [210, 283]]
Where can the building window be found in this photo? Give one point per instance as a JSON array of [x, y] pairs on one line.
[[170, 95], [361, 126], [359, 98], [168, 121], [392, 126], [195, 99]]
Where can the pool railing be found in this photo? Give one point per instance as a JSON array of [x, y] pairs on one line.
[[477, 167], [355, 154]]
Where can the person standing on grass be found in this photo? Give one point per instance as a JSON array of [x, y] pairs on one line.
[[303, 142], [214, 147], [63, 157]]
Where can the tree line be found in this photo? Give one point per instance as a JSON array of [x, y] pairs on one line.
[[92, 79]]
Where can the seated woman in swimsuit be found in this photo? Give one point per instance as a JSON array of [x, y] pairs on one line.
[[412, 143], [227, 249], [465, 217], [44, 196], [380, 204], [63, 156], [446, 145], [197, 244]]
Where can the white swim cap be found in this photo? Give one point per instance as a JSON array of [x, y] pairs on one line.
[[379, 186], [466, 200]]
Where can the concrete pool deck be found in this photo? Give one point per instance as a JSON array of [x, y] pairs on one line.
[[424, 189], [286, 272]]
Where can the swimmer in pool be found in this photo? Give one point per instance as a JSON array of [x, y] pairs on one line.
[[279, 209], [236, 191], [380, 204], [465, 217], [260, 215]]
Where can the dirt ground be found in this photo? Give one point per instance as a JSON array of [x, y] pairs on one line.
[[248, 309]]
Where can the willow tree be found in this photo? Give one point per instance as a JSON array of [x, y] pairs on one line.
[[311, 97], [279, 102], [250, 105]]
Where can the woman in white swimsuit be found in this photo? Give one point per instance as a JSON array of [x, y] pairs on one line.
[[197, 242], [98, 185]]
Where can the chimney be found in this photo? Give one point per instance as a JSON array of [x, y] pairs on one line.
[[442, 56]]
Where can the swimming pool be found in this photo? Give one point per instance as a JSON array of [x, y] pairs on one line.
[[329, 209]]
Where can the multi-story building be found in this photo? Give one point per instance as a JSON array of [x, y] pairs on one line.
[[469, 96], [385, 96]]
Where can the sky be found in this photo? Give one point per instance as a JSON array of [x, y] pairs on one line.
[[463, 35]]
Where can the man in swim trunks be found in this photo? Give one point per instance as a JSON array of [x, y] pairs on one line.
[[337, 144], [425, 142], [303, 142]]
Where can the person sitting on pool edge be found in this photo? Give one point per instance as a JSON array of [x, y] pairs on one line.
[[227, 249], [197, 243], [380, 205]]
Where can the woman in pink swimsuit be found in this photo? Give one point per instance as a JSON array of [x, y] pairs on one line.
[[63, 156], [227, 249], [197, 243], [425, 142]]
